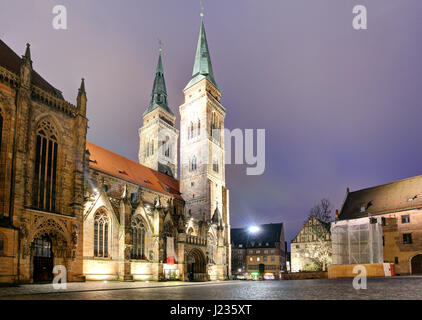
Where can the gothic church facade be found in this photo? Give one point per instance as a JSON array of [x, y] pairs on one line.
[[66, 201]]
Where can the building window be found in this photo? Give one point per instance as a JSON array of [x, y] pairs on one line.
[[383, 241], [101, 228], [250, 259], [240, 245], [266, 251], [405, 218], [1, 246], [138, 239], [396, 260], [215, 165], [258, 258], [272, 251], [258, 251], [193, 164], [407, 238], [46, 151], [265, 258], [384, 222], [272, 258]]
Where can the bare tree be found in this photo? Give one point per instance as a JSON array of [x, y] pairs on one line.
[[318, 223]]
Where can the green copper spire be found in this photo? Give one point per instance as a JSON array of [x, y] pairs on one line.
[[202, 67], [159, 91]]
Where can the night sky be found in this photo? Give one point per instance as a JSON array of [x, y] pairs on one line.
[[341, 108]]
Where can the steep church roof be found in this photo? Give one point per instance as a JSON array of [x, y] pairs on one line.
[[159, 96], [202, 67], [396, 196], [12, 62], [120, 167]]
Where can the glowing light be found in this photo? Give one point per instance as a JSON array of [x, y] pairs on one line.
[[253, 229]]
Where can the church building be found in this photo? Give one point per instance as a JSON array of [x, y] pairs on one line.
[[69, 202]]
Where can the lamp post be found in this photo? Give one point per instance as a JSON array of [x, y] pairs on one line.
[[251, 230]]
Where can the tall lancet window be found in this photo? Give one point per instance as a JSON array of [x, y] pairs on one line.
[[46, 151], [101, 231], [199, 127], [138, 239]]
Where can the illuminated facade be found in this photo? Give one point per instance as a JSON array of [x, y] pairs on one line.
[[66, 201]]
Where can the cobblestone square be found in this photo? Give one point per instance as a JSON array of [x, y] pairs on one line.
[[396, 288]]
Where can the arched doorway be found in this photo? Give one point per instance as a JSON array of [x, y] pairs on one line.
[[43, 259], [196, 266], [417, 264]]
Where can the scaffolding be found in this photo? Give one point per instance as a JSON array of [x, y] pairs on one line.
[[357, 241]]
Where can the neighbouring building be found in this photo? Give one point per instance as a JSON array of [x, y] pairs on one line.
[[397, 208], [311, 247], [258, 252], [66, 201]]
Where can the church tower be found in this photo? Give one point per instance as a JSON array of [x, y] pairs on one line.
[[158, 136], [202, 172]]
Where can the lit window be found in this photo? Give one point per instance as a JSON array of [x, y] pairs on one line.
[[405, 219], [101, 228], [138, 239]]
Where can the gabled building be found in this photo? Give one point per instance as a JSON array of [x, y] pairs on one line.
[[399, 206], [258, 252], [311, 247]]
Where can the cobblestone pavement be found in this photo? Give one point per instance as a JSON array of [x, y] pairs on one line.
[[377, 288]]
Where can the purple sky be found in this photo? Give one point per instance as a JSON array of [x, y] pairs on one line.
[[342, 108]]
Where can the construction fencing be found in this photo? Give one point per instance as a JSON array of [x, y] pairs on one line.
[[357, 241]]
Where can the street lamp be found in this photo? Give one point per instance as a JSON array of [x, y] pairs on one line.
[[253, 229]]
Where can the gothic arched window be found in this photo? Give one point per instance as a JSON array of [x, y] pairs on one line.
[[191, 129], [152, 147], [46, 151], [101, 231], [138, 239], [193, 164], [215, 165], [199, 127]]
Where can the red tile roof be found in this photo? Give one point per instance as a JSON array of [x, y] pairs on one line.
[[12, 62], [120, 167]]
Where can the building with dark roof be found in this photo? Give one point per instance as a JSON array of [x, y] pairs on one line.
[[258, 252], [399, 204]]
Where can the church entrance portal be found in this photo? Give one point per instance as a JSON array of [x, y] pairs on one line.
[[196, 267], [43, 259]]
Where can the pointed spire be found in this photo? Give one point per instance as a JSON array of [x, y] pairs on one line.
[[159, 96], [82, 87], [81, 100], [26, 59], [28, 51], [202, 67]]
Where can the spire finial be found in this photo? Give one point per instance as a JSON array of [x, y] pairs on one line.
[[82, 87], [160, 46], [202, 8]]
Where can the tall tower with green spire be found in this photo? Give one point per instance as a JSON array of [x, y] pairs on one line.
[[202, 169], [158, 137]]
